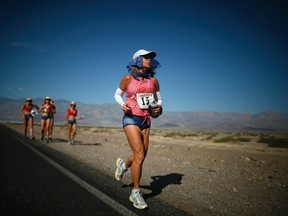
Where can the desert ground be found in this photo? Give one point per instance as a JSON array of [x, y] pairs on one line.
[[201, 172]]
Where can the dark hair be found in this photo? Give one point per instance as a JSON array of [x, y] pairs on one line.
[[136, 71]]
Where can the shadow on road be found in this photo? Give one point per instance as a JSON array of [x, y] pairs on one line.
[[161, 182]]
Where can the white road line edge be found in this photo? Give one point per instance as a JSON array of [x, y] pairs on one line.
[[106, 199]]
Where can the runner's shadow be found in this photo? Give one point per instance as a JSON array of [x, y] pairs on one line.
[[91, 144], [65, 141], [59, 140], [161, 182]]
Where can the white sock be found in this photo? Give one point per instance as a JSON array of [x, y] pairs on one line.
[[123, 166], [135, 190]]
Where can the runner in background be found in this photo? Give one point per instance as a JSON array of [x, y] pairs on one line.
[[70, 120], [45, 119], [52, 113], [28, 111]]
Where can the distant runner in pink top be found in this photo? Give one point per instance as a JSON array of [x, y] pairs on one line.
[[143, 100]]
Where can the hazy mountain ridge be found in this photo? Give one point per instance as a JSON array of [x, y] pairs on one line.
[[111, 115]]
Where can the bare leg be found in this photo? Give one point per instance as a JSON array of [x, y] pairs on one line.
[[74, 129], [31, 121], [43, 128], [51, 127], [138, 141], [69, 131], [47, 128], [25, 127]]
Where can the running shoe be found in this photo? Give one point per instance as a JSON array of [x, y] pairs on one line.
[[32, 138], [69, 142], [119, 169], [137, 199], [72, 142], [42, 137]]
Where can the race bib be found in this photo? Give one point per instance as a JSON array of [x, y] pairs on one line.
[[145, 99]]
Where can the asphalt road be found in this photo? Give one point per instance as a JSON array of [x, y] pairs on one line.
[[37, 180]]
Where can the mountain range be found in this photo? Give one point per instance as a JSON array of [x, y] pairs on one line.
[[111, 115]]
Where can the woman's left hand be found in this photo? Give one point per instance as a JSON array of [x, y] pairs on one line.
[[156, 112]]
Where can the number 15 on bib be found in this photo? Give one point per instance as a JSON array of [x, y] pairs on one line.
[[145, 99]]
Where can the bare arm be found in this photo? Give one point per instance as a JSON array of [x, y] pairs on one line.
[[65, 121], [40, 109], [125, 82], [54, 110], [22, 110]]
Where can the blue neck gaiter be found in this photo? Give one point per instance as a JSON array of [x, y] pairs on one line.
[[138, 63]]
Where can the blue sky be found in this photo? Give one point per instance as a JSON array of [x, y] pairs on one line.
[[227, 56]]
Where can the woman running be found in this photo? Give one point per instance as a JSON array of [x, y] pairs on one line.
[[142, 90], [45, 119], [28, 117], [53, 111], [71, 122]]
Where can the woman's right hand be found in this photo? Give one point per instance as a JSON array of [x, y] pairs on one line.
[[126, 108]]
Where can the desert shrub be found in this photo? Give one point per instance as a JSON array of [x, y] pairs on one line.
[[232, 139], [211, 136], [101, 130], [171, 134], [179, 134], [263, 136], [251, 134], [274, 142], [225, 139], [243, 139], [156, 132], [209, 133], [192, 134]]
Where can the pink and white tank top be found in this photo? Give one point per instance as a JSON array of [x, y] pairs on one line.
[[139, 95]]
